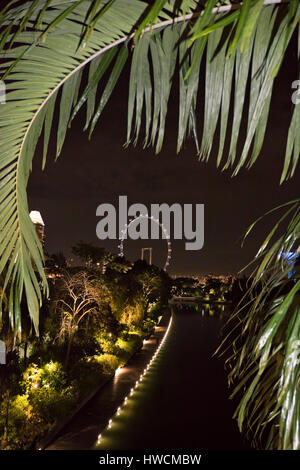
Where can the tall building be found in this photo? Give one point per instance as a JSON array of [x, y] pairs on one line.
[[39, 225]]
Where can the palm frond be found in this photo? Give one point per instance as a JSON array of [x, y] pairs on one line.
[[230, 64], [46, 44], [49, 63]]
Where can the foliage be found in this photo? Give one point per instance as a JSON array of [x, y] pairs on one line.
[[51, 375], [87, 374], [265, 366], [106, 341], [108, 362], [46, 398], [35, 397], [21, 431], [48, 44], [88, 253], [128, 347], [149, 324]]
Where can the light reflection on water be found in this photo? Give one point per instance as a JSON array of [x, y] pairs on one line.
[[220, 310]]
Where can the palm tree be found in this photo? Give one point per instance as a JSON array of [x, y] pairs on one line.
[[45, 45]]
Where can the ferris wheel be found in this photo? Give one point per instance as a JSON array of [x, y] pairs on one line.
[[152, 219]]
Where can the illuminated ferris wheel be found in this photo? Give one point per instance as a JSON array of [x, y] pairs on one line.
[[152, 219]]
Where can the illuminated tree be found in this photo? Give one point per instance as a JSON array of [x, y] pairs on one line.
[[44, 48], [75, 302]]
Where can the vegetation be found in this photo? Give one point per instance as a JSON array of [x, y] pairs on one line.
[[44, 47], [264, 331], [92, 324], [48, 44], [212, 289]]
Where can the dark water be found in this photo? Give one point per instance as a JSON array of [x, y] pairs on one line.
[[181, 403]]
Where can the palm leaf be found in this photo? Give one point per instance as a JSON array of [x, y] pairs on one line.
[[45, 45], [32, 91], [265, 365]]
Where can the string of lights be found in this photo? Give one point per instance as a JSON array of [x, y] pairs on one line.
[[152, 219], [137, 384]]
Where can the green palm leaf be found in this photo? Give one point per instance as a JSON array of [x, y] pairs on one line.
[[32, 91], [265, 367], [44, 46]]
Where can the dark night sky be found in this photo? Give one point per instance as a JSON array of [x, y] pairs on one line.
[[91, 172]]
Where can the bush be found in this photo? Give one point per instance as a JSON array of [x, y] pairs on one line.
[[48, 393], [148, 326], [49, 376], [31, 414], [21, 428], [155, 310], [106, 341], [87, 373], [109, 363], [50, 406], [129, 347]]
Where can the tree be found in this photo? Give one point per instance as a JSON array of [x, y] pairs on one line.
[[55, 262], [91, 255], [57, 41], [49, 45], [153, 282], [75, 301]]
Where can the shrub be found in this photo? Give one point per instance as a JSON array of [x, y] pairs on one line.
[[109, 363], [21, 428], [128, 348], [132, 343], [148, 325], [49, 395], [106, 341], [49, 376], [87, 373]]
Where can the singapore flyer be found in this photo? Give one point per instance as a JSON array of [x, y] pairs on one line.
[[152, 219]]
